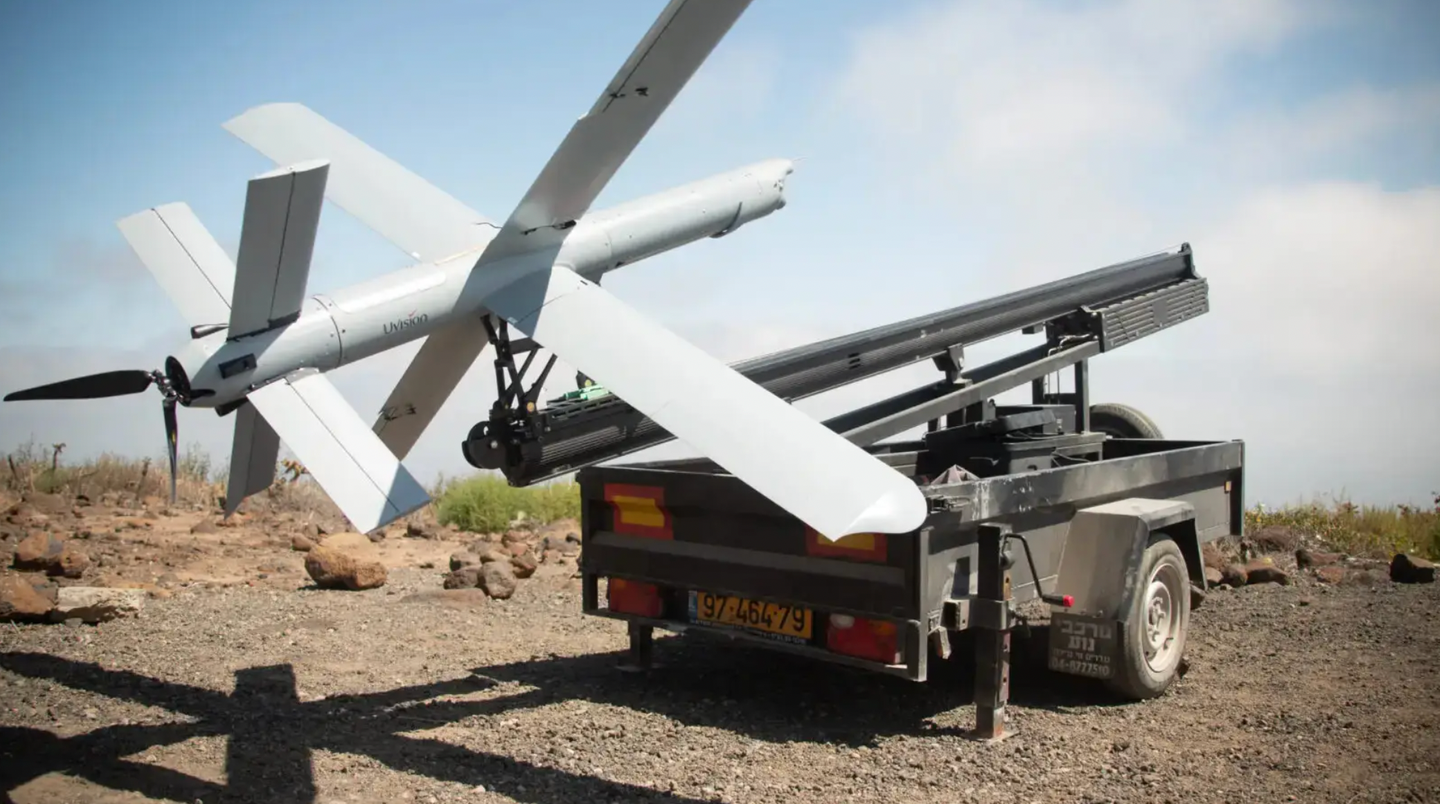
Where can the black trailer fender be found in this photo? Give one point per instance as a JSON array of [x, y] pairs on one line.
[[1127, 567]]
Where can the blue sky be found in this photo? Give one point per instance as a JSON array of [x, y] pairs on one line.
[[951, 151]]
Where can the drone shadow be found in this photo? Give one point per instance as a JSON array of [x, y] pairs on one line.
[[271, 733]]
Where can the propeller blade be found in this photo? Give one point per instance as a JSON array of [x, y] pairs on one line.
[[93, 386], [172, 430]]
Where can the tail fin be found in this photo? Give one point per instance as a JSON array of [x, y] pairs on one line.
[[277, 239], [252, 457], [338, 448]]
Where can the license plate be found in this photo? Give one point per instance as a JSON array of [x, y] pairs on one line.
[[792, 623], [1083, 646]]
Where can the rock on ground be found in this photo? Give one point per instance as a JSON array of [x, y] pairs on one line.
[[1411, 569], [1306, 559], [48, 553], [465, 577], [498, 579], [524, 565], [94, 604], [1234, 575], [1275, 539], [19, 602], [1263, 570], [463, 559], [332, 569]]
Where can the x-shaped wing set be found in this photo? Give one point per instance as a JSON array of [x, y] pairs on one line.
[[260, 345]]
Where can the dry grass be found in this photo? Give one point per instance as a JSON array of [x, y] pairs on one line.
[[1359, 530], [487, 503], [482, 503], [33, 467]]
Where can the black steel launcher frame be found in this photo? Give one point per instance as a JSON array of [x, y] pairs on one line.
[[1085, 315]]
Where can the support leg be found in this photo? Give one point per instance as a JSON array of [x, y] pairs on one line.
[[641, 644], [992, 646]]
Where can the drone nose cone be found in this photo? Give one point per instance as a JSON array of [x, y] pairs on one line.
[[776, 171], [178, 377], [185, 371]]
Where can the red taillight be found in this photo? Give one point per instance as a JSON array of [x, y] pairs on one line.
[[875, 640], [633, 597]]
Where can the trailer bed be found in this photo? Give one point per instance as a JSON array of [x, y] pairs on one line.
[[1087, 508], [692, 532]]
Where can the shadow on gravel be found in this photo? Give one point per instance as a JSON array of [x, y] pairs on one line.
[[777, 697], [271, 735]]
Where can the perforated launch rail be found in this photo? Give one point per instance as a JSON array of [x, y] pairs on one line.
[[1082, 315]]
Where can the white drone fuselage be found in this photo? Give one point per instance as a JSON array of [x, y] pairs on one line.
[[363, 320], [261, 342]]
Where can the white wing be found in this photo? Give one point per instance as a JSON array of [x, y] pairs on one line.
[[428, 381], [184, 259], [829, 483], [371, 487], [679, 41], [424, 221]]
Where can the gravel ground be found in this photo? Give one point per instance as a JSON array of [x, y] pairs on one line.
[[1306, 692]]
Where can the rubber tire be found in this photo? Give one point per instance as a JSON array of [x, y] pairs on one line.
[[1122, 421], [1133, 679]]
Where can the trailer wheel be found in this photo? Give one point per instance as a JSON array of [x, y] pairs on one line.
[[1122, 421], [1159, 617]]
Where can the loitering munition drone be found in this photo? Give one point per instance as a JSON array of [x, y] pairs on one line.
[[260, 350]]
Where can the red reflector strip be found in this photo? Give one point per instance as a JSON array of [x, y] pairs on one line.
[[859, 546], [639, 510], [633, 597], [875, 640]]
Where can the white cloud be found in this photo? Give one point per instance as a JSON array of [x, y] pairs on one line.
[[1323, 278], [1331, 133], [1037, 87], [1085, 133]]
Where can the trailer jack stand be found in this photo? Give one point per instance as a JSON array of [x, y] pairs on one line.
[[640, 657], [992, 646]]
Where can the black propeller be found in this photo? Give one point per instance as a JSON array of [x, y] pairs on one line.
[[172, 435], [94, 386], [172, 383]]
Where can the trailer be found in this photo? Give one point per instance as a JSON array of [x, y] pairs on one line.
[[1083, 507]]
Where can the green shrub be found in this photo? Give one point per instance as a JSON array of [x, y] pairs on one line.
[[487, 503], [1360, 530]]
